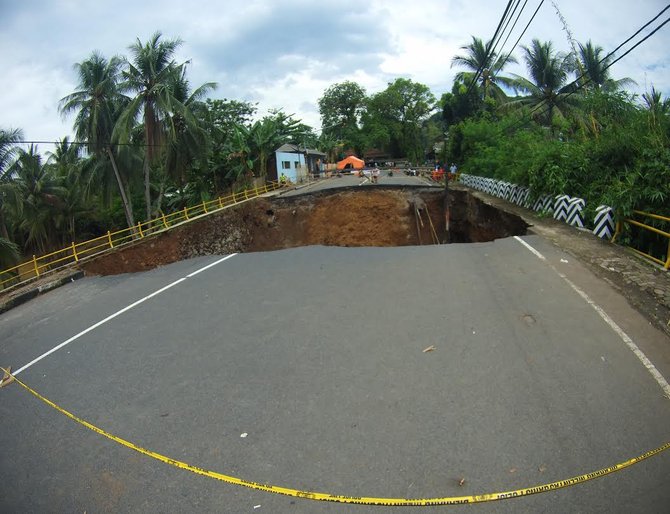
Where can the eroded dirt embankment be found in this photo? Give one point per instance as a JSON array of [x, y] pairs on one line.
[[379, 217]]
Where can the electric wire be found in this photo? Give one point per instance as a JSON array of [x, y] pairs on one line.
[[578, 84], [509, 19], [524, 31], [513, 27], [480, 69], [86, 143]]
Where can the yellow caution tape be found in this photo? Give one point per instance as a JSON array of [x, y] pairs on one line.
[[361, 500]]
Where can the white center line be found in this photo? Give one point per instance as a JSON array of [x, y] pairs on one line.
[[118, 313], [624, 337]]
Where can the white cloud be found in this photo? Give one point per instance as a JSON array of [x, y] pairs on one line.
[[285, 53], [32, 92]]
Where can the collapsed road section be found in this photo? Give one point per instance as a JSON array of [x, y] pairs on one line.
[[383, 217]]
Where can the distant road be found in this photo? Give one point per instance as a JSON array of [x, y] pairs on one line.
[[398, 178]]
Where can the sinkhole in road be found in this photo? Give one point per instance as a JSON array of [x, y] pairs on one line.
[[376, 216], [365, 216]]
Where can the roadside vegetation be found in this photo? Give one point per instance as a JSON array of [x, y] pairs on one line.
[[147, 141]]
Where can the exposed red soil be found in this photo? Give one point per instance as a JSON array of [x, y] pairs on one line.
[[350, 218]]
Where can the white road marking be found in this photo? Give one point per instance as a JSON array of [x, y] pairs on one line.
[[118, 313], [533, 250], [619, 331], [210, 265]]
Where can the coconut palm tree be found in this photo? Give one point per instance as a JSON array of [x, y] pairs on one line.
[[9, 251], [658, 110], [549, 94], [8, 149], [151, 76], [187, 137], [491, 65], [593, 67], [98, 103], [67, 166], [37, 199]]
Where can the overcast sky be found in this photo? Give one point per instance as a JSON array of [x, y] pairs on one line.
[[285, 53]]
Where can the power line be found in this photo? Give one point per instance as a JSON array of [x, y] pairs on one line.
[[85, 143], [516, 6], [588, 80], [488, 49], [524, 31], [640, 30], [513, 27]]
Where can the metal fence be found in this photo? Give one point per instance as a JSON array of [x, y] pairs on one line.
[[651, 248], [44, 264]]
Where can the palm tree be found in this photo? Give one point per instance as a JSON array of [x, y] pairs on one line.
[[329, 145], [239, 155], [9, 251], [264, 138], [67, 165], [8, 141], [594, 69], [97, 103], [476, 58], [8, 149], [38, 198], [658, 109], [151, 76], [549, 95], [187, 137]]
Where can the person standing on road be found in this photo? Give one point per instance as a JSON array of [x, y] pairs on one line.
[[375, 176]]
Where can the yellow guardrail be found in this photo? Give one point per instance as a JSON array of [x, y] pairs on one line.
[[619, 229], [42, 265]]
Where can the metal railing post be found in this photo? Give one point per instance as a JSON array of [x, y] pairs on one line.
[[37, 269], [74, 252]]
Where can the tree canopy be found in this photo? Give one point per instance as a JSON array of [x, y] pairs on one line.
[[149, 140]]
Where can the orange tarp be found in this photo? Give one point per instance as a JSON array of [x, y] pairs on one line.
[[353, 162]]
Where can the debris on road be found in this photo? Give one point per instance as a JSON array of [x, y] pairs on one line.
[[429, 349], [7, 378]]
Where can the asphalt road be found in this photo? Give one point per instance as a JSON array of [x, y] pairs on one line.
[[346, 180], [317, 355]]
